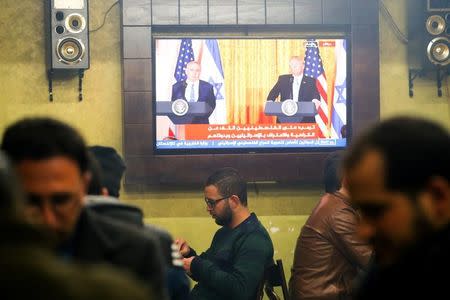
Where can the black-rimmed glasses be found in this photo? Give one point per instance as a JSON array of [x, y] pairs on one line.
[[211, 203]]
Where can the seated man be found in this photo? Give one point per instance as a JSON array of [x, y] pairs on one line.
[[329, 254], [234, 265], [51, 160], [29, 270], [98, 201], [112, 168]]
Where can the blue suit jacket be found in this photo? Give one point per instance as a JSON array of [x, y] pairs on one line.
[[205, 94]]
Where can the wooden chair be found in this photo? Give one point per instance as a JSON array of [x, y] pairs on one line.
[[274, 276]]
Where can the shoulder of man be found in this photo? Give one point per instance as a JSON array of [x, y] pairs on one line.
[[114, 232], [285, 77]]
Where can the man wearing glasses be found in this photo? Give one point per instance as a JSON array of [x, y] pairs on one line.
[[51, 161], [241, 249]]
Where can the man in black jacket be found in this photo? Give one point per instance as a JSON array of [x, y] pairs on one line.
[[296, 86], [51, 160], [29, 270]]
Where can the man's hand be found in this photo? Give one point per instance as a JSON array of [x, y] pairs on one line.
[[187, 264], [183, 247]]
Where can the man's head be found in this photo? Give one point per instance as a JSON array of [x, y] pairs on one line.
[[193, 70], [51, 161], [398, 173], [296, 64], [225, 194], [111, 170], [331, 174]]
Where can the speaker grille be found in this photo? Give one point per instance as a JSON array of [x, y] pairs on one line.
[[435, 24], [70, 50], [438, 51], [75, 23]]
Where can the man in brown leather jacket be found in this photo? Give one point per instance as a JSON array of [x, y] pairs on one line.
[[328, 254]]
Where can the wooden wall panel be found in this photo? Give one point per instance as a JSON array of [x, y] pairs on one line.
[[165, 12], [365, 76], [280, 11], [137, 107], [193, 12], [136, 42], [136, 12], [222, 12], [308, 12], [364, 12], [137, 75], [251, 12], [138, 139], [336, 11]]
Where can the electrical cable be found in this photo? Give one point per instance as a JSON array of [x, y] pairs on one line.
[[104, 17], [385, 12]]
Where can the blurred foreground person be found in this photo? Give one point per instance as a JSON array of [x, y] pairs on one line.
[[399, 176], [51, 161], [29, 269]]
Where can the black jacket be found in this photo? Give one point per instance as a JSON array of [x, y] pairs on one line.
[[283, 88], [99, 239]]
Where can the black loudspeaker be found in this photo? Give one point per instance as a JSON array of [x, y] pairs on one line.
[[67, 28], [428, 34]]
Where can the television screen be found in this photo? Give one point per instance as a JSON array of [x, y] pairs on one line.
[[249, 95]]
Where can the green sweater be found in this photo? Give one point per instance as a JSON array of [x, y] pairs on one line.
[[234, 265]]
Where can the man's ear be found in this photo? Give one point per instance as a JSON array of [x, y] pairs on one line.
[[86, 179], [234, 201], [105, 191], [437, 194]]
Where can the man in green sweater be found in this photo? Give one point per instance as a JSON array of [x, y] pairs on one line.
[[233, 266]]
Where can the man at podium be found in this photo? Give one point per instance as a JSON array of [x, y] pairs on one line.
[[195, 90], [296, 86]]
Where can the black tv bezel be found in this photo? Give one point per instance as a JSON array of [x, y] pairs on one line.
[[193, 33]]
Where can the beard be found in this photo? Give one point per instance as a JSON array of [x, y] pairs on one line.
[[388, 251], [224, 218]]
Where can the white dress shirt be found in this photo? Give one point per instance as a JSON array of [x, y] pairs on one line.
[[188, 91], [296, 83]]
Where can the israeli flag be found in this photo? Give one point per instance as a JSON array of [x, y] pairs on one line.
[[339, 109], [212, 72]]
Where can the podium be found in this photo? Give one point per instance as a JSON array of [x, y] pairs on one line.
[[304, 109], [194, 109]]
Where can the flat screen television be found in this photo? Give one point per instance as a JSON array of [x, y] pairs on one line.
[[246, 99]]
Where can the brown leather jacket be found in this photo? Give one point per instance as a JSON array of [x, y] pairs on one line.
[[328, 254]]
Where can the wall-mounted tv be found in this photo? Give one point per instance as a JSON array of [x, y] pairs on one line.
[[225, 95]]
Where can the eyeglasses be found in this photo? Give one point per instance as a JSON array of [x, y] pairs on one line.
[[59, 202], [211, 203]]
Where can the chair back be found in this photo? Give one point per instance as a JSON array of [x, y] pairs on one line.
[[274, 276]]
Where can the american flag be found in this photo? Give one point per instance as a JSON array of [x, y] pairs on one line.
[[185, 55], [314, 69]]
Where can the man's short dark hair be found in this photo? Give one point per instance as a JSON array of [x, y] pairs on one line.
[[331, 174], [96, 183], [112, 168], [44, 138], [229, 182], [413, 150]]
